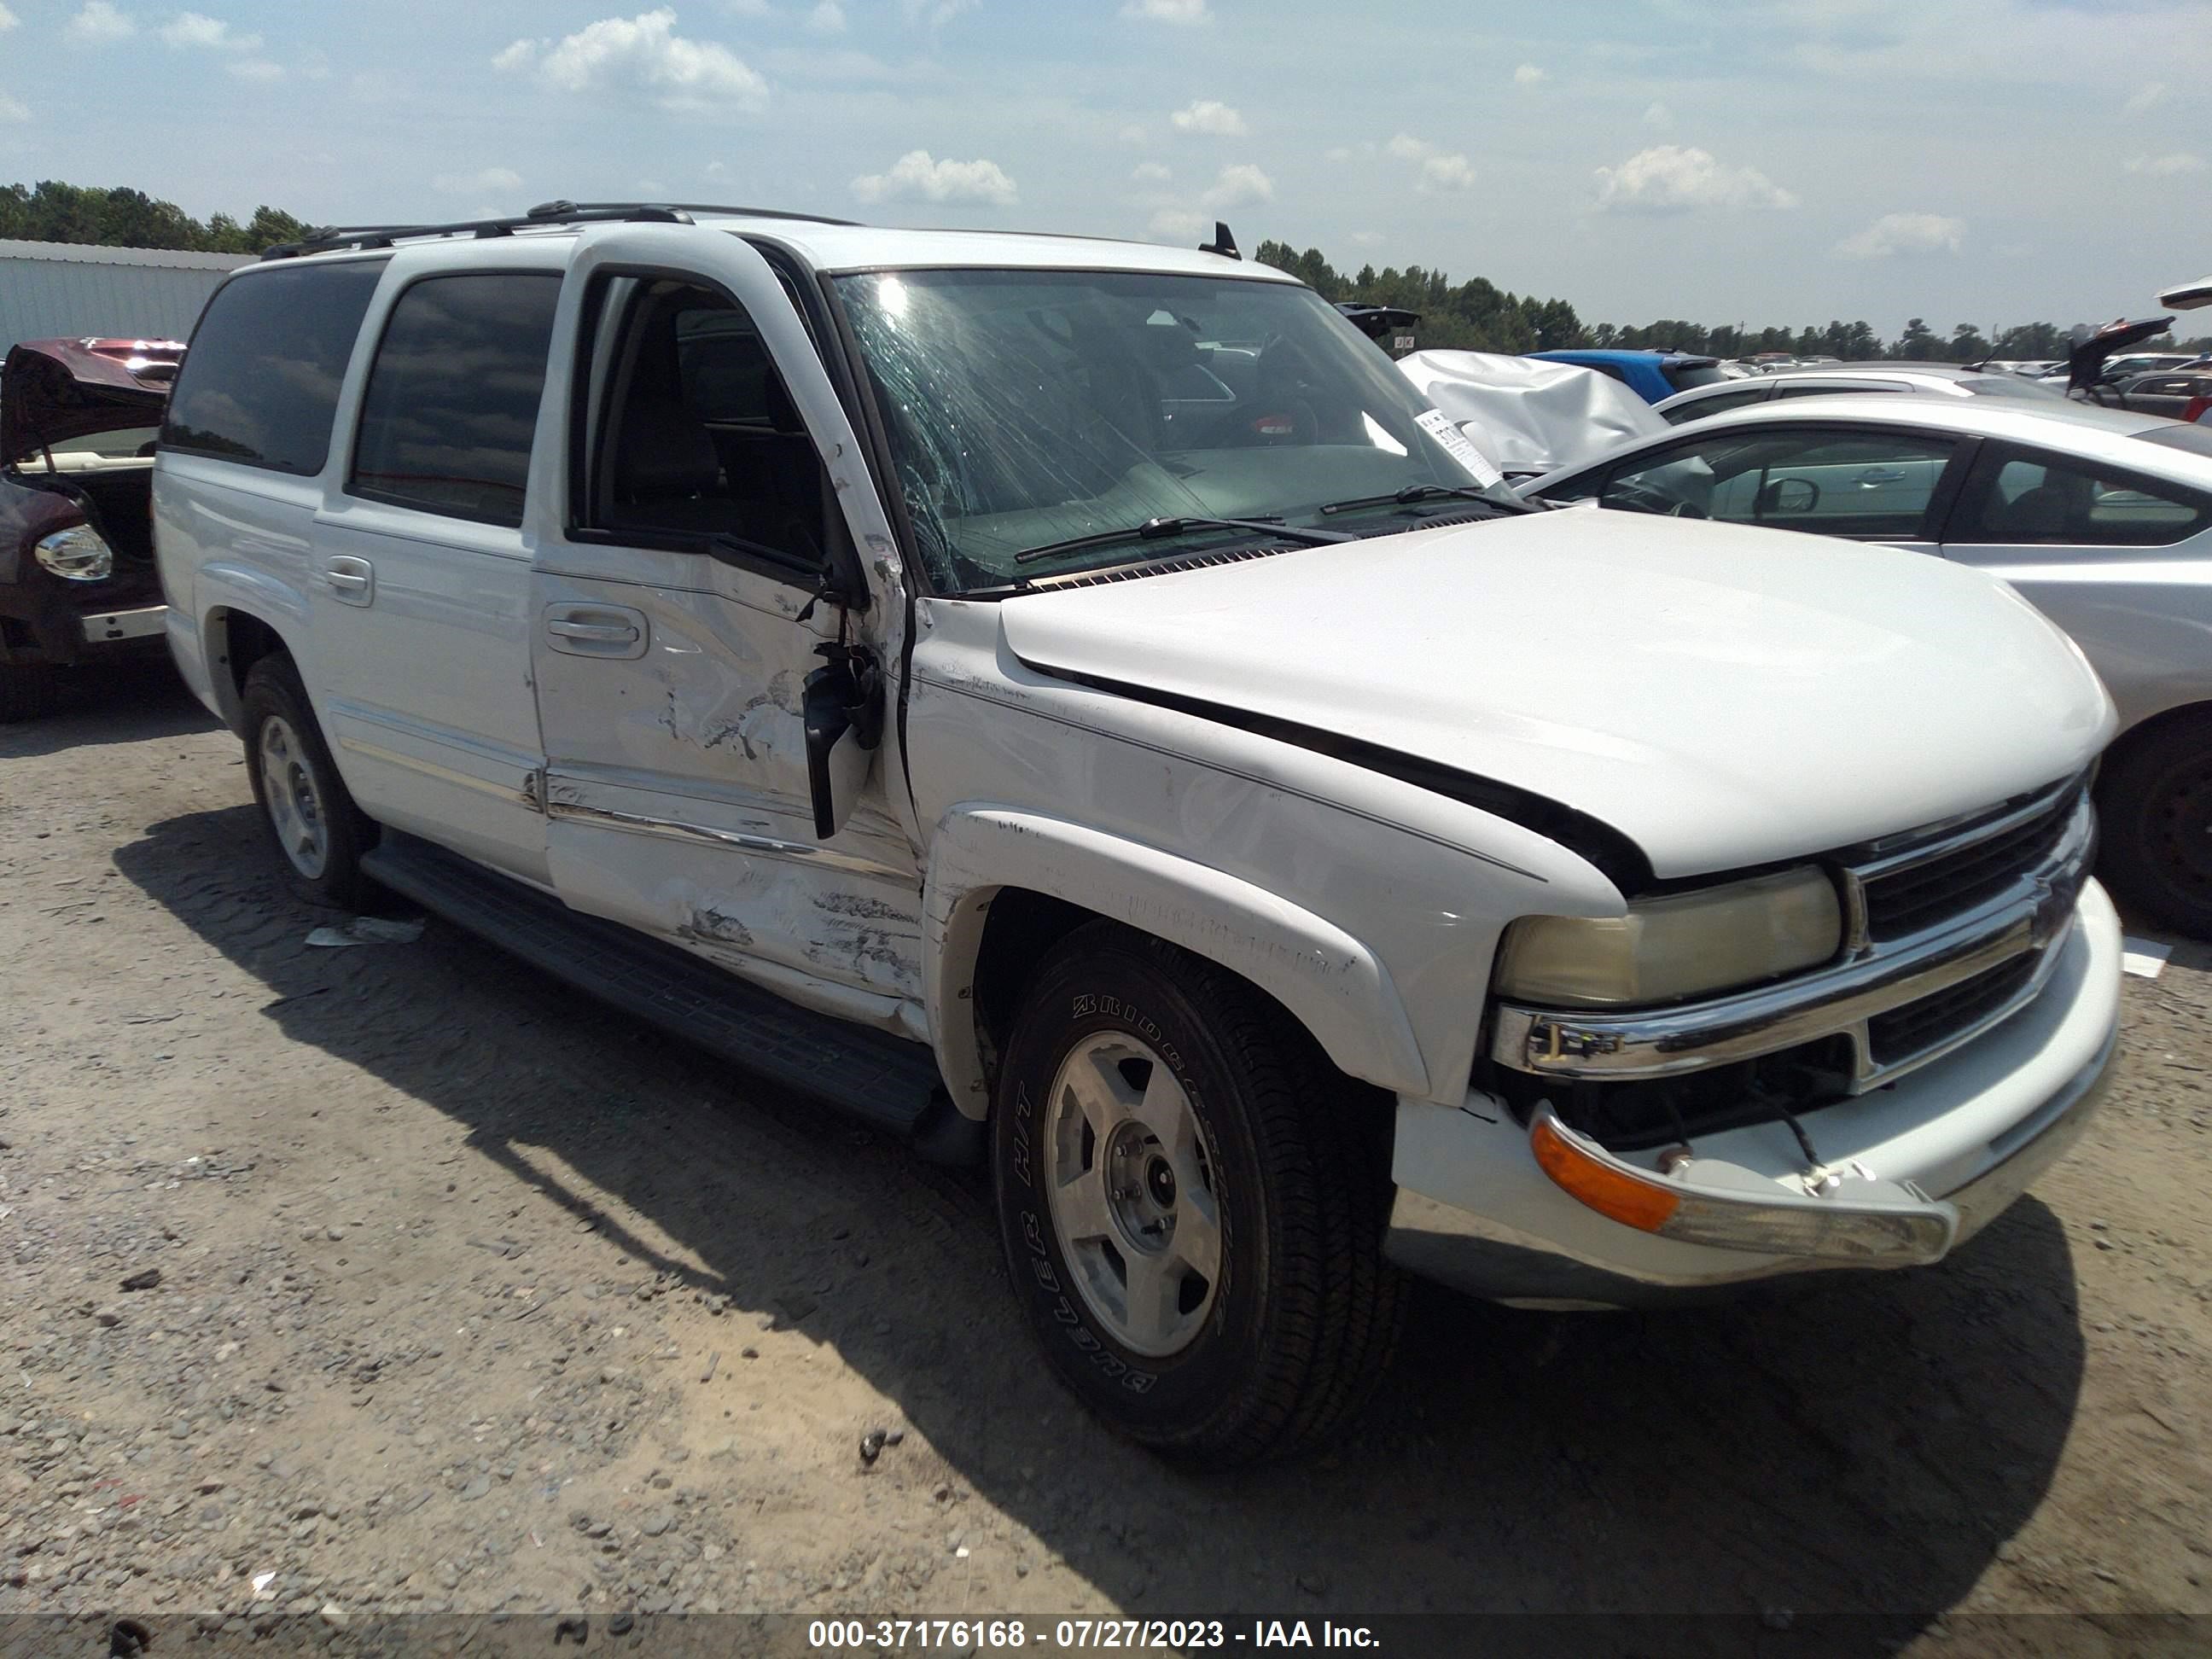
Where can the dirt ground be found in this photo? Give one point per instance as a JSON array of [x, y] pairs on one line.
[[473, 1295]]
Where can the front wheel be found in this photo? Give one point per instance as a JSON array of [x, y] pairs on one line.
[[310, 817], [1192, 1213], [2155, 815]]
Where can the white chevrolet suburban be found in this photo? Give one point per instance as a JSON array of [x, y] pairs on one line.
[[1072, 703]]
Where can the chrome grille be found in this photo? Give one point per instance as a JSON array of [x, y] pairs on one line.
[[1913, 1030], [1907, 892]]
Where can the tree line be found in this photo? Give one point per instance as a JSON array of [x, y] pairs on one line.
[[49, 211], [1477, 315]]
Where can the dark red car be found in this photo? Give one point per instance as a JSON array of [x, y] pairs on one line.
[[77, 581]]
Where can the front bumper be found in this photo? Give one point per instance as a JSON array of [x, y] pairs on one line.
[[1968, 1133]]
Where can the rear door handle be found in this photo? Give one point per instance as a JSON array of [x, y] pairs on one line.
[[596, 630], [352, 580], [1880, 475]]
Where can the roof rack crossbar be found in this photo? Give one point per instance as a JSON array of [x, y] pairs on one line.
[[545, 214]]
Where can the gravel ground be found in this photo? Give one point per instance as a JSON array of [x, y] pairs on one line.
[[413, 1281]]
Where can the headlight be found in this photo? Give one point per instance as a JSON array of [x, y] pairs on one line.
[[1683, 945], [77, 554]]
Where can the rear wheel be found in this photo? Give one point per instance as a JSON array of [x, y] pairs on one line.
[[1192, 1203], [2155, 813], [317, 829], [28, 691]]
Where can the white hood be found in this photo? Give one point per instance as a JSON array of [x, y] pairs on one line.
[[1528, 416], [1723, 696]]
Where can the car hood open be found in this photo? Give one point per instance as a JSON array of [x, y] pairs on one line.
[[1723, 696], [52, 391]]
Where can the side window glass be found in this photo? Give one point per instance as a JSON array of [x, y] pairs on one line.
[[260, 384], [1697, 408], [2023, 498], [452, 403], [1870, 485], [700, 442], [1837, 388]]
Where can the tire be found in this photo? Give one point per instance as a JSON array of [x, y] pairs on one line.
[[28, 691], [317, 832], [2154, 817], [1261, 1342]]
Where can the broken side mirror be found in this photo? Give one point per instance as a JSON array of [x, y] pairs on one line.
[[844, 713]]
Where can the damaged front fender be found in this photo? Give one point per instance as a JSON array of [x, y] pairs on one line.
[[1333, 984]]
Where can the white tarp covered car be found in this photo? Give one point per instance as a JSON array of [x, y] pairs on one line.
[[1530, 418]]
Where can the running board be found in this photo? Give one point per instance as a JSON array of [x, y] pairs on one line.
[[884, 1080]]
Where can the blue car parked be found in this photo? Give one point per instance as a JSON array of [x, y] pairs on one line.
[[1651, 375]]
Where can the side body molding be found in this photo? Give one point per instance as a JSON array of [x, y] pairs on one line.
[[1331, 983]]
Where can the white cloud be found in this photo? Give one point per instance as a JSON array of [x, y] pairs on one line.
[[255, 69], [652, 188], [1658, 116], [1671, 179], [935, 13], [1365, 238], [916, 176], [98, 24], [477, 183], [196, 29], [1528, 76], [2148, 97], [1133, 134], [1183, 12], [1904, 233], [2166, 166], [8, 19], [1337, 153], [716, 170], [1209, 116], [1239, 186], [13, 109], [749, 7], [827, 18], [642, 54], [1151, 172], [1440, 169], [1180, 223]]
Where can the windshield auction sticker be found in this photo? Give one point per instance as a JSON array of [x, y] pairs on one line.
[[1441, 426]]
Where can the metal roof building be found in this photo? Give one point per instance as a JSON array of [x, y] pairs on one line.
[[69, 289]]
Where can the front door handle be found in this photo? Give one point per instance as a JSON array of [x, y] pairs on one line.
[[596, 630], [352, 580], [1880, 475]]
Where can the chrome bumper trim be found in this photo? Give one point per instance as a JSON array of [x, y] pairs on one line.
[[2027, 915], [137, 624]]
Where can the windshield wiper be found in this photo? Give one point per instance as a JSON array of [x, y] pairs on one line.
[[1413, 493], [1153, 529]]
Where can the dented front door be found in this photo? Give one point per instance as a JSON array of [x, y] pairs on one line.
[[670, 679]]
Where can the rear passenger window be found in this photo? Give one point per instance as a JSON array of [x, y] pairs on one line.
[[260, 384], [2023, 498], [452, 403]]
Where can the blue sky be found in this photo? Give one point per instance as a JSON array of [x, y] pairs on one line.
[[1983, 160]]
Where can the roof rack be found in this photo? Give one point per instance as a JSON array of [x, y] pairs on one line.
[[544, 216]]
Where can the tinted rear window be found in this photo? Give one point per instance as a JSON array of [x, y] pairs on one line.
[[260, 384], [452, 403]]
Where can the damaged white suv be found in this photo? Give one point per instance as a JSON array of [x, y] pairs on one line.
[[1073, 703]]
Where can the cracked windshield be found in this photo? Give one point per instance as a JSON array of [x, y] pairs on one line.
[[1029, 409]]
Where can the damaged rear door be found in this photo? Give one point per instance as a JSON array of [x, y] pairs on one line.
[[677, 614]]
